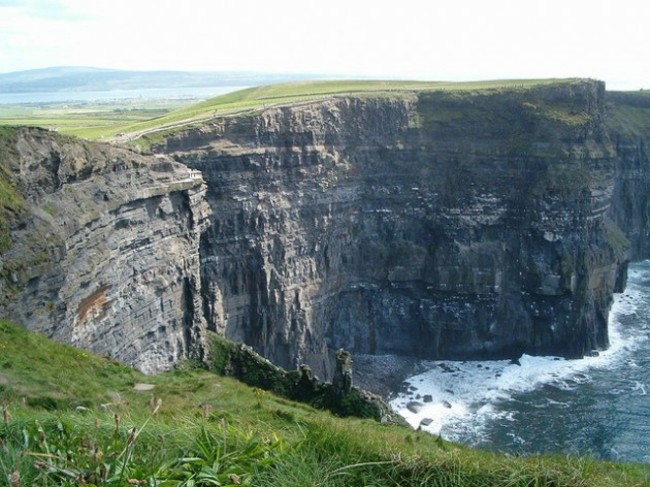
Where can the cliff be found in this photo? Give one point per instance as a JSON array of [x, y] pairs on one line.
[[104, 248], [628, 122], [436, 224]]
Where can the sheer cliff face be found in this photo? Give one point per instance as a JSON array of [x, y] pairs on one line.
[[437, 225], [105, 248], [628, 121]]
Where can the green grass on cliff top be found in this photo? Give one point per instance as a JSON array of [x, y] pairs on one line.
[[253, 99], [86, 118], [280, 94], [68, 418], [95, 122]]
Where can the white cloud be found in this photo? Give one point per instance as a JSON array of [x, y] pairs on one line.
[[451, 39]]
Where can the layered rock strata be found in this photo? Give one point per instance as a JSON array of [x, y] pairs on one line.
[[628, 122], [428, 224], [105, 249], [437, 224]]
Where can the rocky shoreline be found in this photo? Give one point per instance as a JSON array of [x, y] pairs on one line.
[[384, 375]]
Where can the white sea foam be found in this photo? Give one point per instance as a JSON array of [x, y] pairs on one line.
[[478, 392], [639, 388]]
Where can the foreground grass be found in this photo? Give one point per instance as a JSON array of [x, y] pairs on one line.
[[71, 418]]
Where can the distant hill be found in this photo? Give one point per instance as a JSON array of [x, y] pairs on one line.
[[70, 79]]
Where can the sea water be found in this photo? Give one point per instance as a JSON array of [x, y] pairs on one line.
[[177, 93], [598, 406]]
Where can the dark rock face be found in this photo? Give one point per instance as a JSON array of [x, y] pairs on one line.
[[443, 225], [342, 380], [437, 225], [628, 122]]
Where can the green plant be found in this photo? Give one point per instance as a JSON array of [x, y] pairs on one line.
[[60, 452], [223, 457], [241, 362]]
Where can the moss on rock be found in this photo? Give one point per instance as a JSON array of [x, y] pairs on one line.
[[243, 363]]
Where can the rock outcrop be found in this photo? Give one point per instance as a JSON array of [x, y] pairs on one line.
[[431, 224], [105, 248]]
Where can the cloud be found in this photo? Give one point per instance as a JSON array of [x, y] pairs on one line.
[[36, 34], [54, 10], [445, 39]]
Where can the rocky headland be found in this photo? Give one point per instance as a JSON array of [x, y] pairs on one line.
[[432, 224]]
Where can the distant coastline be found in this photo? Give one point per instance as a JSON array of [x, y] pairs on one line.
[[172, 93]]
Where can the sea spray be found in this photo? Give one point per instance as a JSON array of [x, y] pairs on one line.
[[547, 404]]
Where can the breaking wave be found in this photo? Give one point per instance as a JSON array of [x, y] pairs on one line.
[[545, 404]]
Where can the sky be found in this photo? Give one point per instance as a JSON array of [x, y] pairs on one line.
[[406, 39]]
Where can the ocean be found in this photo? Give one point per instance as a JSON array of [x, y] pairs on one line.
[[597, 406], [117, 95]]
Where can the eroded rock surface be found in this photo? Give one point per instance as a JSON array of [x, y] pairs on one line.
[[435, 225], [105, 250]]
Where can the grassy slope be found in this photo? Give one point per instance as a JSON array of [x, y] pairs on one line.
[[100, 123], [253, 99], [71, 414], [85, 119]]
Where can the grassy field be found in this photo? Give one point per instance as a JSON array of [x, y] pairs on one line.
[[71, 418], [90, 120], [264, 96]]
